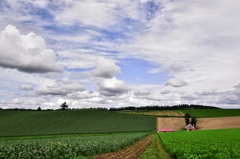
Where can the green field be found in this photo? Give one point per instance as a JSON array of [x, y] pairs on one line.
[[68, 147], [87, 132], [204, 113], [29, 123], [205, 144]]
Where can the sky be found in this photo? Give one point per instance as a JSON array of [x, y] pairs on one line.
[[108, 53]]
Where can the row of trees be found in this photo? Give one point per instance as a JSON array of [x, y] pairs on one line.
[[156, 107], [193, 120]]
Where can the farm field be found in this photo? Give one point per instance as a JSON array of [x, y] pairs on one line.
[[103, 133], [163, 113], [133, 151], [32, 123], [202, 123], [68, 147], [205, 144], [205, 113]]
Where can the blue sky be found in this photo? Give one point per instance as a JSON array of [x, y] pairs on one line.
[[95, 53]]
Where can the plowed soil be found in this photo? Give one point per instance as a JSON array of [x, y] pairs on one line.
[[202, 123], [132, 152], [169, 113]]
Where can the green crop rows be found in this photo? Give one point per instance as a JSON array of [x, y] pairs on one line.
[[212, 112], [29, 123], [70, 147], [205, 144]]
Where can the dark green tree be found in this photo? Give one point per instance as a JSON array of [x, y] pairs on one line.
[[39, 108], [64, 106], [194, 122], [187, 118]]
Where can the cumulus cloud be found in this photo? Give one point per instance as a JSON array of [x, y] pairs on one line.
[[26, 53], [207, 93], [111, 87], [175, 82], [59, 87], [25, 87], [165, 91], [141, 93], [190, 96], [105, 68], [83, 95], [176, 67]]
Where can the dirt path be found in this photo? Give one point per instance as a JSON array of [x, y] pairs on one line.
[[132, 152], [202, 123]]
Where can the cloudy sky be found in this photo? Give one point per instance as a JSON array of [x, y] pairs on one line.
[[108, 53]]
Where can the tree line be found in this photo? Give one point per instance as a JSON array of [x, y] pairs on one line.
[[64, 106]]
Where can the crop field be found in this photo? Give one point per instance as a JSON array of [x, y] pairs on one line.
[[204, 144], [162, 113], [30, 123], [204, 113], [67, 147]]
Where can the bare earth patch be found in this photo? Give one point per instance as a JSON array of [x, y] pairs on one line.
[[131, 152], [218, 123], [158, 113], [202, 123], [164, 113], [175, 123]]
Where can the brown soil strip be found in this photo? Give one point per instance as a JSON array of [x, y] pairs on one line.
[[132, 152], [164, 113], [175, 123], [169, 113], [218, 123], [202, 123]]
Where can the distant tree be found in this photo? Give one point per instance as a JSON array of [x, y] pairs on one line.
[[187, 120], [64, 106], [39, 108], [194, 122]]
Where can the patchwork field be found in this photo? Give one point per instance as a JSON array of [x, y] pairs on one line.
[[202, 123], [106, 134]]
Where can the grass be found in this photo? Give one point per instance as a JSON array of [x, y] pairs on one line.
[[155, 150], [204, 113], [32, 123]]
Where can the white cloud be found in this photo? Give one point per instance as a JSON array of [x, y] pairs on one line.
[[165, 91], [27, 53], [89, 12], [83, 95], [176, 67], [105, 68], [78, 58], [111, 87], [142, 93], [59, 87], [25, 87], [176, 82], [155, 70]]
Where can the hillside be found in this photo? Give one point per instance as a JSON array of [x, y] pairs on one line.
[[24, 123], [204, 113]]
